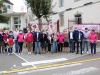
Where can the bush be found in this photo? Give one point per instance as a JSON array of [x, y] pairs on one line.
[[98, 35], [6, 28]]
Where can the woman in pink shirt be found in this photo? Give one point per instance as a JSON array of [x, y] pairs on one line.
[[5, 40], [93, 40], [29, 38], [20, 38], [60, 42]]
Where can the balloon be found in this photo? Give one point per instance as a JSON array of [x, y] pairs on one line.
[[37, 28], [51, 29]]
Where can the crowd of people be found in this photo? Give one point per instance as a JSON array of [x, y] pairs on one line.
[[42, 42]]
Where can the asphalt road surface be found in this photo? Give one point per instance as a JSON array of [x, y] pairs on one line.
[[13, 62]]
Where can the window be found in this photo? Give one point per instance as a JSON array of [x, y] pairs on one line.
[[17, 22], [61, 19], [8, 6], [78, 19], [76, 0], [61, 3]]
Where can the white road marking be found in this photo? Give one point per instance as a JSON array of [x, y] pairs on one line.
[[24, 59], [81, 71], [44, 61], [50, 68]]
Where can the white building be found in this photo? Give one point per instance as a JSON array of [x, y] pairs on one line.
[[85, 11], [17, 19]]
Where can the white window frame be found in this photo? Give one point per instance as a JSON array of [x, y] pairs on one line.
[[19, 22]]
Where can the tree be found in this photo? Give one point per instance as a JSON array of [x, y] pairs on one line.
[[40, 8], [3, 9]]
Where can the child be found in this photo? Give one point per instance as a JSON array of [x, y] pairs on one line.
[[10, 41]]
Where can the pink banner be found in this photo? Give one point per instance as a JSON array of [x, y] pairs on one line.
[[90, 27]]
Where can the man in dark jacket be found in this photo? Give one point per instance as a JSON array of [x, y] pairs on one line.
[[43, 42], [79, 36], [37, 38], [71, 40]]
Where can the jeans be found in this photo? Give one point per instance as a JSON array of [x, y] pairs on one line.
[[10, 50], [71, 45], [54, 47], [85, 43], [16, 46], [93, 46], [37, 47]]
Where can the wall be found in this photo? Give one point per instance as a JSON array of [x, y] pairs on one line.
[[3, 25], [90, 13], [11, 7]]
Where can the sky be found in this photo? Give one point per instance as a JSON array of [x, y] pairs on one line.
[[18, 6]]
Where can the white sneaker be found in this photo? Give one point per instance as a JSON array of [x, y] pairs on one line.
[[28, 52], [11, 53], [20, 53], [8, 53], [87, 52], [82, 52]]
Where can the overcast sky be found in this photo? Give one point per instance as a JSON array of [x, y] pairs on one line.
[[19, 5]]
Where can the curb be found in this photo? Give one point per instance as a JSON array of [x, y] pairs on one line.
[[45, 67]]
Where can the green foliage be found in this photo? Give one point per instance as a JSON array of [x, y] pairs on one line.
[[5, 28], [40, 8], [3, 19], [1, 3], [98, 35]]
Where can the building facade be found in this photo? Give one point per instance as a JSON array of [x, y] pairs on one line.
[[84, 11], [17, 19]]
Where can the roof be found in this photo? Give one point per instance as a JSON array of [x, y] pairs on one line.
[[7, 1], [13, 14]]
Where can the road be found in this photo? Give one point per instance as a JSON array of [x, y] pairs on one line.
[[58, 64]]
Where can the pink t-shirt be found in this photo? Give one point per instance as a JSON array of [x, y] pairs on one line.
[[61, 39], [20, 37]]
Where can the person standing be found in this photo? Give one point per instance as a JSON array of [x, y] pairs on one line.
[[20, 38], [1, 41], [79, 36], [93, 41], [71, 40], [16, 32], [60, 41], [43, 42], [74, 34], [10, 41], [37, 38], [86, 40], [33, 41], [49, 41], [5, 40], [29, 38], [54, 44]]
